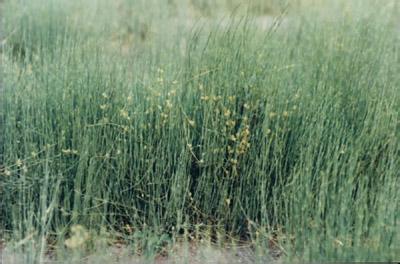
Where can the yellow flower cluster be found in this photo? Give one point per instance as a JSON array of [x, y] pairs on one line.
[[168, 104], [69, 151], [230, 123], [124, 113], [239, 145], [272, 115], [214, 98], [171, 93], [7, 172], [285, 114], [191, 123], [205, 98], [244, 144], [18, 163], [125, 129]]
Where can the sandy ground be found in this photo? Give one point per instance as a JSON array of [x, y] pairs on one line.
[[122, 255]]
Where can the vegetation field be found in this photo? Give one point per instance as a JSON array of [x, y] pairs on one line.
[[162, 127]]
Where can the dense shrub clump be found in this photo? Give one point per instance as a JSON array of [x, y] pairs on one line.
[[290, 133]]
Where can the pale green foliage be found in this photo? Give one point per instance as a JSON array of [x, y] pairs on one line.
[[129, 116]]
